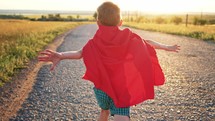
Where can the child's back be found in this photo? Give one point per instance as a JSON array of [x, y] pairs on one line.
[[120, 63]]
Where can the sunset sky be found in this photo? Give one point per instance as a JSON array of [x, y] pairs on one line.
[[155, 6]]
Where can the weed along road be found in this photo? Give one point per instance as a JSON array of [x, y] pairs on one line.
[[188, 93]]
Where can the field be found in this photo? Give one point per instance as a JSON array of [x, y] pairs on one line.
[[163, 23], [206, 32], [21, 40]]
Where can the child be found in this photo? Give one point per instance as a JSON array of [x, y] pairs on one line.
[[123, 67]]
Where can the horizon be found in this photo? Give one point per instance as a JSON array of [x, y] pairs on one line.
[[143, 6], [82, 12]]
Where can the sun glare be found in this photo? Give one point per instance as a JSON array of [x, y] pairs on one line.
[[150, 6], [163, 6], [155, 6]]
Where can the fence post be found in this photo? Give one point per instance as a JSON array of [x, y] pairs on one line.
[[186, 20]]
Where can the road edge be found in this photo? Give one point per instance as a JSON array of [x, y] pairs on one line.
[[17, 91]]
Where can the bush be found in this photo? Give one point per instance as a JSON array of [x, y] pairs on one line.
[[196, 34], [160, 20], [176, 20], [141, 19], [211, 21], [198, 21]]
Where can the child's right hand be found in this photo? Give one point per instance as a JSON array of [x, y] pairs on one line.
[[50, 56]]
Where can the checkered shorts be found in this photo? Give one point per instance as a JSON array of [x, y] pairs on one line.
[[106, 103]]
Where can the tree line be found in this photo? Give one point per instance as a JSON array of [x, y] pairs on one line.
[[57, 17], [139, 19], [49, 17], [175, 20], [162, 20]]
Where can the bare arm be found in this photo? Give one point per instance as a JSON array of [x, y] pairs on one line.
[[56, 57], [157, 45], [71, 55]]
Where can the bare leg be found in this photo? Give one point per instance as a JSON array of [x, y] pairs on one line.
[[121, 118], [104, 115]]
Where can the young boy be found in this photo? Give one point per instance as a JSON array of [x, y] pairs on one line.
[[123, 67]]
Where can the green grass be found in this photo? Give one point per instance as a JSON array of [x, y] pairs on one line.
[[22, 40]]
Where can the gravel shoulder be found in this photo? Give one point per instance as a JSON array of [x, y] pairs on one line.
[[188, 93], [14, 93]]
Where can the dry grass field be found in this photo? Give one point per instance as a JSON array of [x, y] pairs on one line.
[[21, 40], [206, 32]]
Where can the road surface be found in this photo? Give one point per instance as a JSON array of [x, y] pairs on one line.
[[188, 94]]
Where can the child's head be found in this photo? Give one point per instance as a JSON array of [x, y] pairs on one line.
[[109, 14]]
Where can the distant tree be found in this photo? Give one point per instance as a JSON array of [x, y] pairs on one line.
[[95, 15], [43, 18], [212, 21], [70, 18], [78, 16], [50, 17], [176, 20], [57, 17]]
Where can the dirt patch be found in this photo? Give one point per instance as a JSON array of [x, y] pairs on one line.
[[14, 93]]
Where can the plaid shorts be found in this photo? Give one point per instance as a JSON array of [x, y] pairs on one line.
[[106, 103]]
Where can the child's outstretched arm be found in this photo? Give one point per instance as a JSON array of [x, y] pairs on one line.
[[56, 57], [157, 45]]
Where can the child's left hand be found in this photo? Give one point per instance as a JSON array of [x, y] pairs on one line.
[[174, 48]]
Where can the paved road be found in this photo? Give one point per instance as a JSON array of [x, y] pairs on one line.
[[187, 95]]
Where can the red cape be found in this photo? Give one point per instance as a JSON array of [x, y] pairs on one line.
[[122, 65]]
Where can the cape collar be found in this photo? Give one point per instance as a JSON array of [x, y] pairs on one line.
[[108, 28]]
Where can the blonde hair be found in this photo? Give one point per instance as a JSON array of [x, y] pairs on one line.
[[108, 14]]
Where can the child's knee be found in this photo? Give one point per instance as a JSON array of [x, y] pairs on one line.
[[106, 112]]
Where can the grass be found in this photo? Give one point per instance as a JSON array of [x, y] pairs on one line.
[[21, 40], [206, 32]]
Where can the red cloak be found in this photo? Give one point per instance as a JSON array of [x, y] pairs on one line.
[[123, 65]]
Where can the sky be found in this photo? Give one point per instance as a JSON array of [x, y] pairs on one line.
[[155, 6]]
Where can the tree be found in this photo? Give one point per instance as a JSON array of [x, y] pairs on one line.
[[43, 18], [78, 16], [50, 17], [95, 15], [70, 18], [57, 17]]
